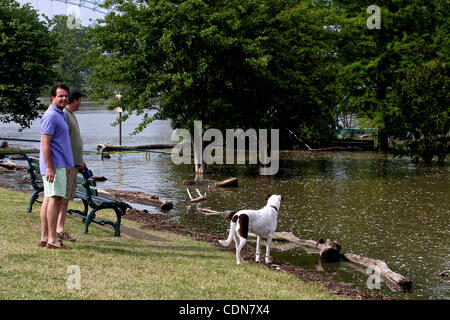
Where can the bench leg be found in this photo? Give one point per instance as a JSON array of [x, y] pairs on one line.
[[89, 219], [117, 224], [32, 200]]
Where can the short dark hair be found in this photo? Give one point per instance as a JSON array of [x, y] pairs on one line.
[[60, 86], [75, 94]]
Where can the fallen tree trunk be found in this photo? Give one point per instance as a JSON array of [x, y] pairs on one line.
[[393, 280], [330, 250], [136, 197], [8, 165]]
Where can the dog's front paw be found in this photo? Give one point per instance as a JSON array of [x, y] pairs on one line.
[[268, 260], [257, 258]]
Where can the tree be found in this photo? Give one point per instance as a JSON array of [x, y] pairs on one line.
[[73, 43], [27, 54], [420, 112], [229, 63], [411, 33]]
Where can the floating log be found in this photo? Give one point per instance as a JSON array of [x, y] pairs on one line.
[[114, 147], [137, 197], [330, 250], [232, 182], [9, 165], [202, 182], [393, 280]]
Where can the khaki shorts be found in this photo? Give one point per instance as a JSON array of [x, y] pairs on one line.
[[58, 187], [71, 184]]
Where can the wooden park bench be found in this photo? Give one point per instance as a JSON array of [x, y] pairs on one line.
[[86, 192]]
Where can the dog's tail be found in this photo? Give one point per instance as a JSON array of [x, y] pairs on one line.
[[225, 243]]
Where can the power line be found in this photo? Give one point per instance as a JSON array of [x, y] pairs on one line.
[[91, 5]]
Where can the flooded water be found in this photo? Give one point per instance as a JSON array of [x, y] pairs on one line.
[[374, 205]]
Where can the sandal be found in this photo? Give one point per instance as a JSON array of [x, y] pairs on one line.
[[42, 244], [65, 236]]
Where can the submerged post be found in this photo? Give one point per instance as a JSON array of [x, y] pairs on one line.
[[119, 110]]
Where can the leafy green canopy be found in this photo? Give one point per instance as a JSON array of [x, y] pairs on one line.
[[412, 33], [420, 112], [27, 53], [229, 63]]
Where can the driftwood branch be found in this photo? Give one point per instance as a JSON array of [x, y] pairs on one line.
[[199, 198], [445, 273]]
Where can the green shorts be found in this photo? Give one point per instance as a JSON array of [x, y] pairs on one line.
[[58, 187]]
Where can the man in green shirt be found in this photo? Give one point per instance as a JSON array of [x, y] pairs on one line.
[[77, 150]]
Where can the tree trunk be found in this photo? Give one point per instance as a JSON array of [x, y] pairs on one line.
[[383, 142]]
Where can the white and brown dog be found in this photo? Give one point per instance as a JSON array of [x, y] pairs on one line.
[[262, 222]]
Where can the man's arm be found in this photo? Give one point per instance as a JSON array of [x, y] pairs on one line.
[[47, 154]]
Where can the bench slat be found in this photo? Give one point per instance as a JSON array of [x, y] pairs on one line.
[[82, 190], [80, 180]]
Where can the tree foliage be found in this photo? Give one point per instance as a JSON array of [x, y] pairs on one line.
[[372, 60], [229, 63], [27, 53], [420, 112], [287, 64]]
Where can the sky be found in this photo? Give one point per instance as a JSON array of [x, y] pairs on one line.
[[53, 7]]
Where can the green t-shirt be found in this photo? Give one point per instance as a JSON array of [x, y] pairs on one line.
[[75, 137]]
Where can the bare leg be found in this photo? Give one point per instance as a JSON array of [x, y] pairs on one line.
[[53, 207], [62, 216], [44, 225]]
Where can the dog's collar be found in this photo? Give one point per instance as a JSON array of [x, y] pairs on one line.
[[276, 209]]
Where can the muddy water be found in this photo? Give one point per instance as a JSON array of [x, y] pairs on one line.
[[376, 206]]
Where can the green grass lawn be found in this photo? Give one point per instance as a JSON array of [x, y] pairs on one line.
[[167, 266]]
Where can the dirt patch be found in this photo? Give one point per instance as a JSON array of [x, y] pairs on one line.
[[160, 222]]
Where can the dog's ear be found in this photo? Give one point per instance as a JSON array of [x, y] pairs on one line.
[[268, 196]]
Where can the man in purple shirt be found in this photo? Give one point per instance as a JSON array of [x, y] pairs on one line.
[[55, 158]]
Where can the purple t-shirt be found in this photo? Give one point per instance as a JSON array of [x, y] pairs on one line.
[[53, 122]]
